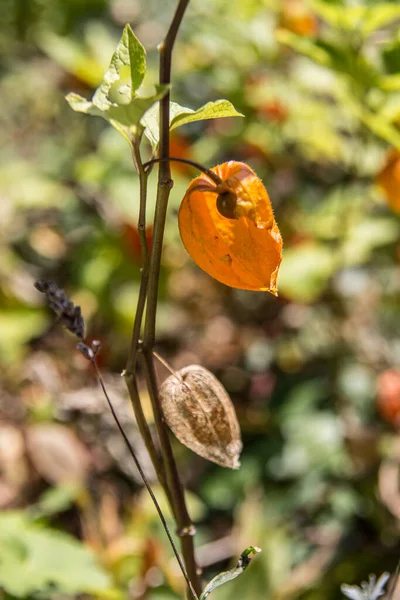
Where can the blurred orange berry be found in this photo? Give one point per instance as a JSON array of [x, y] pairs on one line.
[[131, 238], [389, 179], [229, 230], [296, 17], [388, 396], [179, 147], [274, 111]]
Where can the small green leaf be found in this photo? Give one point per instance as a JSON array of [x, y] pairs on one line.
[[80, 104], [363, 19], [390, 83], [379, 16], [212, 110], [125, 73], [337, 56], [180, 115], [55, 500], [73, 57], [124, 118], [339, 16], [304, 46], [305, 272], [226, 576], [115, 100]]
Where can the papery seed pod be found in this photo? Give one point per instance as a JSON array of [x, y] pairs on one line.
[[201, 415]]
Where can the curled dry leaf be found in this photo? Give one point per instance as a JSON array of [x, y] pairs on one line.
[[230, 230], [200, 413]]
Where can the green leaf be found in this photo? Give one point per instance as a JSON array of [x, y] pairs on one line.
[[55, 500], [338, 57], [377, 124], [48, 560], [226, 576], [72, 56], [390, 83], [361, 19], [339, 16], [304, 46], [379, 16], [115, 100], [181, 115], [124, 118], [18, 326], [125, 73], [305, 271]]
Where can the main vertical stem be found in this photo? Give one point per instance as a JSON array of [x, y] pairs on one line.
[[165, 183]]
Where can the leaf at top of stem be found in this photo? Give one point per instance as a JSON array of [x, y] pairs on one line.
[[226, 576], [181, 115], [125, 73], [115, 100]]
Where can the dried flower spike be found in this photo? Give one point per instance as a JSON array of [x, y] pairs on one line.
[[69, 314], [229, 229], [200, 413]]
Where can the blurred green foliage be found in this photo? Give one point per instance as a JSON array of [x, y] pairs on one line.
[[313, 374]]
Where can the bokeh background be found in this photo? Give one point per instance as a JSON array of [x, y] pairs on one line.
[[313, 373]]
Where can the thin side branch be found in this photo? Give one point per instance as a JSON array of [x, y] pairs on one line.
[[144, 478]]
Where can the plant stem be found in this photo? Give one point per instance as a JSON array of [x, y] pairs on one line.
[[143, 176], [165, 182], [130, 372], [144, 478], [186, 529]]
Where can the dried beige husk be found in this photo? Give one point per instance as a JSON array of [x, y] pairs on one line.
[[200, 413]]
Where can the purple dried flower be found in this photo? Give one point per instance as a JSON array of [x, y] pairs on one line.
[[69, 314]]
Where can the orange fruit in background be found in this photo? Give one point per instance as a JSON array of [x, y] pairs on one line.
[[389, 179], [243, 250], [179, 147], [297, 17], [388, 396], [131, 239]]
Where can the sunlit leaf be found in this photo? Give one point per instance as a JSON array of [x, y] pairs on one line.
[[72, 57], [125, 73], [379, 16], [364, 19], [181, 115], [305, 271], [55, 500], [304, 46], [226, 576], [390, 83], [115, 100], [17, 328], [125, 118]]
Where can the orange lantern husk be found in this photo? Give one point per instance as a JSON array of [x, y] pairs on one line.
[[243, 252]]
